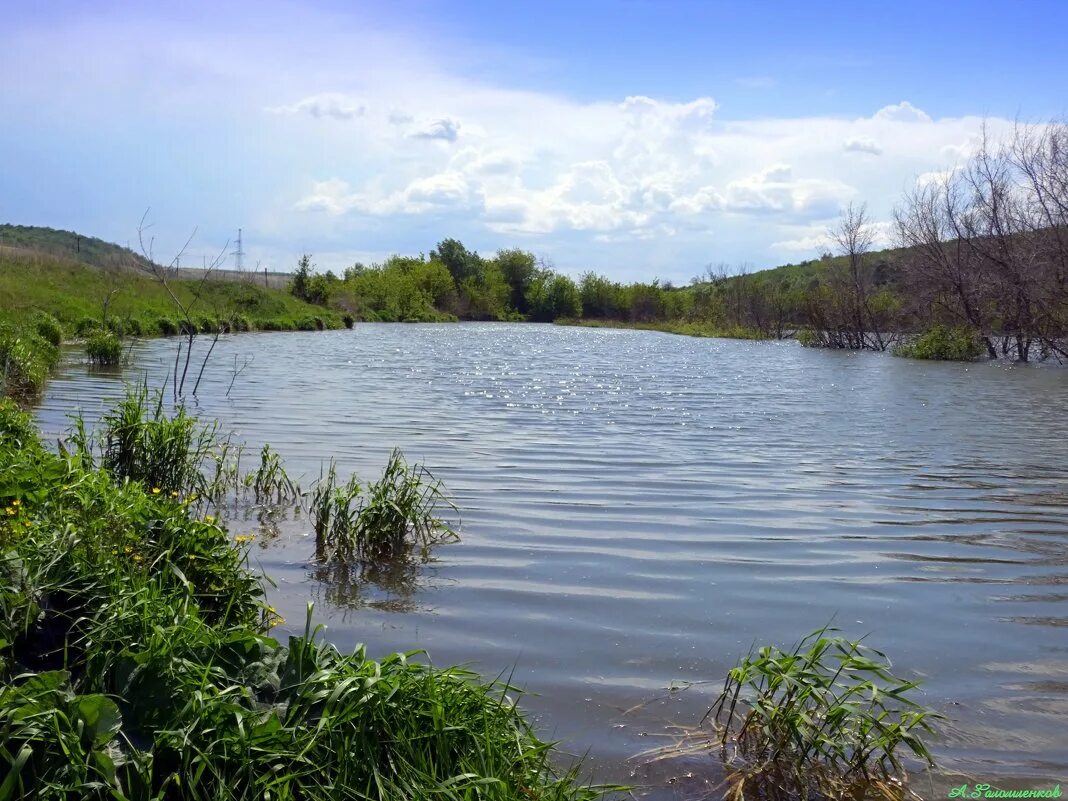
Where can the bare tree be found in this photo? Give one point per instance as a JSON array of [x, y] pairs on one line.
[[187, 325]]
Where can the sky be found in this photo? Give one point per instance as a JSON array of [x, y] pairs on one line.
[[636, 139]]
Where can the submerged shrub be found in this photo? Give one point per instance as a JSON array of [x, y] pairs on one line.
[[824, 716], [132, 327], [348, 320], [206, 325], [47, 327], [103, 348], [242, 323], [808, 338], [943, 343]]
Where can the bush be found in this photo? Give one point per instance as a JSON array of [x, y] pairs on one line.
[[116, 326], [85, 326], [206, 325], [167, 327], [103, 348], [187, 328], [306, 324], [808, 338], [133, 327], [25, 361], [242, 323], [348, 320], [944, 344], [47, 327]]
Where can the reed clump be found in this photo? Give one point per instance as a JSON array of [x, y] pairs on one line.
[[104, 348], [827, 718], [397, 515]]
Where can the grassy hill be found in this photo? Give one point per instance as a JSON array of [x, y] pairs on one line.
[[72, 277]]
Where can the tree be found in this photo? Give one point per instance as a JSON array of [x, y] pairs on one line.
[[519, 268], [460, 262]]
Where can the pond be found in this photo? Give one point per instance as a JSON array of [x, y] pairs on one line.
[[639, 509]]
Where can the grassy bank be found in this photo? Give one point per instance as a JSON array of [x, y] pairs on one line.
[[690, 329], [77, 295], [137, 662]]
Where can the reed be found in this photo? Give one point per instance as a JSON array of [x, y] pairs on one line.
[[397, 515], [826, 715], [103, 348]]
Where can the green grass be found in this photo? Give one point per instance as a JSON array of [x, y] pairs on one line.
[[26, 358], [75, 294], [137, 660], [682, 328]]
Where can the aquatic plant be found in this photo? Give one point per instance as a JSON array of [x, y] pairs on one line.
[[103, 348], [395, 515], [142, 443], [825, 715], [270, 483]]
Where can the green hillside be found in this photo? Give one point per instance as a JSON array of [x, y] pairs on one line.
[[76, 286]]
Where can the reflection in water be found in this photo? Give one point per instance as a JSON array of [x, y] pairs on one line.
[[641, 508], [389, 585]]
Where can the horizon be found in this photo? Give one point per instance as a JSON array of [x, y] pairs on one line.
[[636, 140]]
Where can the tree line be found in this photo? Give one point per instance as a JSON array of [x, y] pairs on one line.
[[980, 251]]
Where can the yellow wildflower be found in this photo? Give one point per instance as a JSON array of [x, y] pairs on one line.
[[10, 510], [209, 519], [156, 490], [174, 493], [16, 502]]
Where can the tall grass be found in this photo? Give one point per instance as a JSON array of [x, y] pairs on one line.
[[824, 717], [141, 442], [391, 517]]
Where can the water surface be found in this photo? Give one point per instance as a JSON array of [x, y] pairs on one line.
[[639, 508]]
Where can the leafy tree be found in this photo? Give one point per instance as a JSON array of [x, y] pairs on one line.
[[458, 260], [519, 269]]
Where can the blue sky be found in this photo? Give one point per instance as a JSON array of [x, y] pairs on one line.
[[637, 139]]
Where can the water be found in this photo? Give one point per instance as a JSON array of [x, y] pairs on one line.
[[639, 508]]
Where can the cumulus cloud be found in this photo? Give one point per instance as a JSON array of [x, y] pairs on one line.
[[326, 104], [444, 128], [638, 169], [862, 144], [902, 112]]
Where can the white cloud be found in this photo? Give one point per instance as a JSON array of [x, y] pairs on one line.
[[862, 144], [562, 175], [326, 104], [902, 112]]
